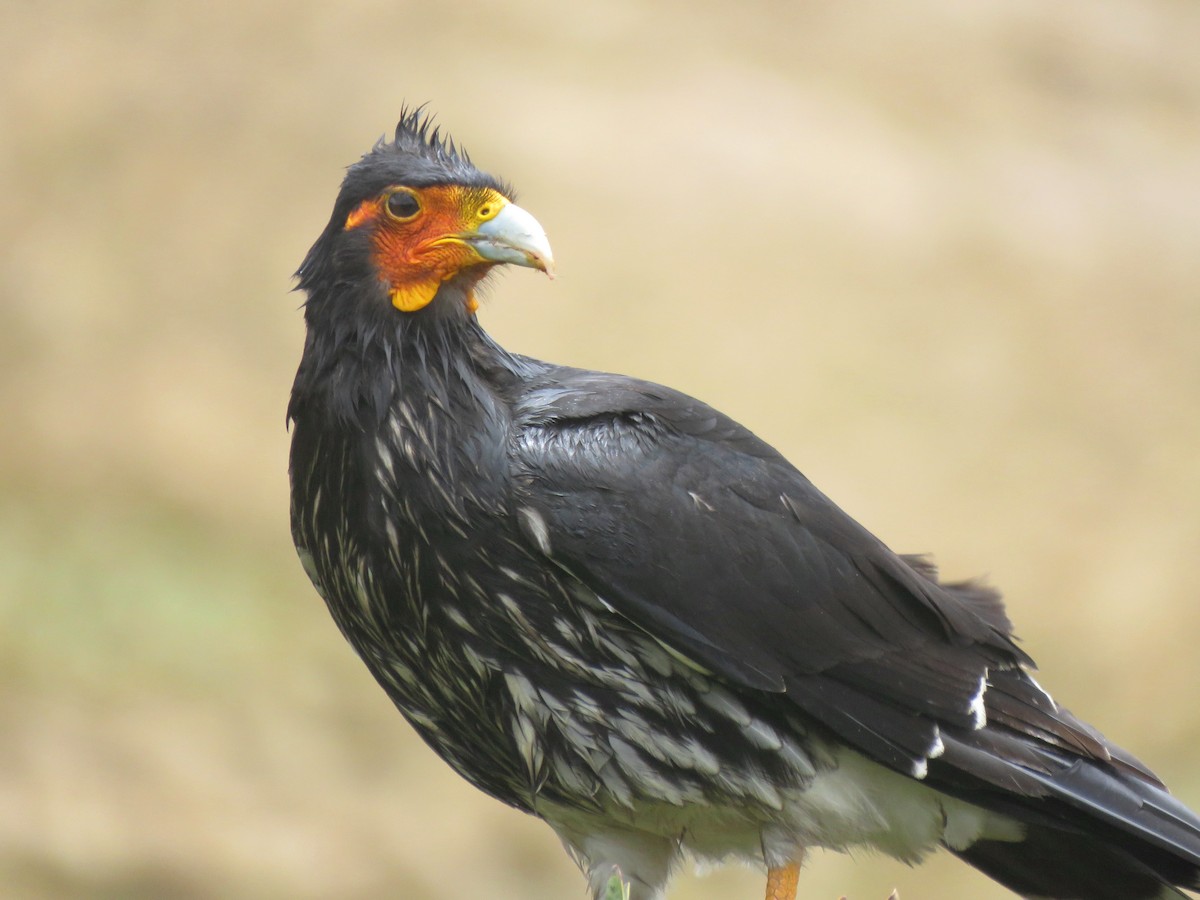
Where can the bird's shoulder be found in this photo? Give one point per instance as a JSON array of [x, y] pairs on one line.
[[574, 409]]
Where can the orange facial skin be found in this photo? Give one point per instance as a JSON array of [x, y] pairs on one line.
[[415, 251]]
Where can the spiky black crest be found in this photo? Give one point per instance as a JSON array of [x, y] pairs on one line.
[[418, 133], [420, 155]]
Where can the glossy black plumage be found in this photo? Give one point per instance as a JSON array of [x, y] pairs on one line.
[[608, 604]]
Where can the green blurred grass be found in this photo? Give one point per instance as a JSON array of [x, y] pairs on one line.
[[944, 257], [110, 594]]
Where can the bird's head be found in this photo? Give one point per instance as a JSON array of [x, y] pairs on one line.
[[414, 215]]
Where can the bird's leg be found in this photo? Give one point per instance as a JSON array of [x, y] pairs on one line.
[[782, 880]]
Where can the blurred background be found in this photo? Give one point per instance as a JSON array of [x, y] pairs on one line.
[[945, 256]]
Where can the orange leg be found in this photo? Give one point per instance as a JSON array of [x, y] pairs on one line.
[[782, 881]]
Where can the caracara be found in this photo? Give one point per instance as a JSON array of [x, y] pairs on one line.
[[609, 605]]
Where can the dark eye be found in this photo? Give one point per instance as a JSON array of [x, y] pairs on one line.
[[403, 205]]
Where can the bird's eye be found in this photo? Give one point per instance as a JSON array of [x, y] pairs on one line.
[[403, 205]]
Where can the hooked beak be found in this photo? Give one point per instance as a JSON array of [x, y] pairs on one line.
[[513, 236]]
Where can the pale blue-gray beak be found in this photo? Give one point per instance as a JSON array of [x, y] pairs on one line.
[[513, 236]]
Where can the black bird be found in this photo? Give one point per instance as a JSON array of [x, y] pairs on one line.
[[609, 605]]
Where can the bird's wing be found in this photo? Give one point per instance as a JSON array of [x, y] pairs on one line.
[[691, 527], [688, 525]]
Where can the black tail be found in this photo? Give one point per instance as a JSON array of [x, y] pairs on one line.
[[1068, 866], [1092, 830]]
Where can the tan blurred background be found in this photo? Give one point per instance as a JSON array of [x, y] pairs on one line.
[[946, 256]]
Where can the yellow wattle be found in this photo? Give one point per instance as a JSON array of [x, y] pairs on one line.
[[411, 297]]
